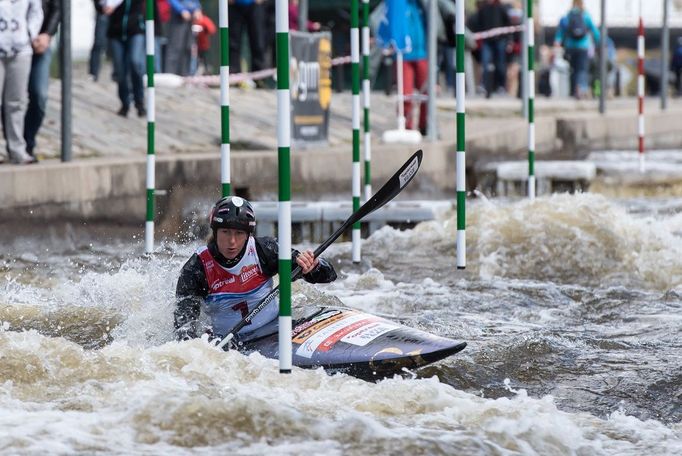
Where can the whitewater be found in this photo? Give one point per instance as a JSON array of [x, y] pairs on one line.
[[570, 306]]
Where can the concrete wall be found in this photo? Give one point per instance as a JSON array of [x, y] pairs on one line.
[[114, 189]]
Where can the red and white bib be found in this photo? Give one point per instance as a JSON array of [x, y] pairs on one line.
[[233, 292]]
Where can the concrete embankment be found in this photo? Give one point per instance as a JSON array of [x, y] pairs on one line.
[[107, 178]]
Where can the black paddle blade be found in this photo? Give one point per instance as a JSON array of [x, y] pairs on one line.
[[392, 187], [385, 194]]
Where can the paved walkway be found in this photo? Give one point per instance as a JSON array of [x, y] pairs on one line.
[[188, 118]]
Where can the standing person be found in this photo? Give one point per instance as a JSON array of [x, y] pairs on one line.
[[576, 32], [492, 14], [23, 20], [415, 64], [39, 79], [249, 14], [180, 38], [162, 15], [100, 41], [514, 45], [126, 34], [404, 29], [208, 29], [311, 26], [233, 273], [676, 66]]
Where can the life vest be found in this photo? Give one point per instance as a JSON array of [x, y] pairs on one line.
[[234, 292]]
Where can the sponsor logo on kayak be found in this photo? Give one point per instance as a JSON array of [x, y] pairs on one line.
[[363, 336], [330, 341], [303, 336], [312, 321], [314, 340]]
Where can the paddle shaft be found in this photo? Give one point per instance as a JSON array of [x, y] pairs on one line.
[[385, 194]]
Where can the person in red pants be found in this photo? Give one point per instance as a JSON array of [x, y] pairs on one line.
[[415, 63]]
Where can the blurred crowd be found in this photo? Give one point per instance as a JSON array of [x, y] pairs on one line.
[[182, 40]]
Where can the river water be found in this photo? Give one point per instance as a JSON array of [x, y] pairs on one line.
[[571, 306]]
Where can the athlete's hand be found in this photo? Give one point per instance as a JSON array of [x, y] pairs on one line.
[[307, 261]]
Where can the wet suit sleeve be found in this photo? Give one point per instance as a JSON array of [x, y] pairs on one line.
[[268, 253], [190, 292]]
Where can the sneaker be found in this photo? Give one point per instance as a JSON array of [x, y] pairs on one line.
[[141, 111], [28, 160], [123, 112]]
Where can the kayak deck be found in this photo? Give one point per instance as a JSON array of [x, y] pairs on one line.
[[357, 343]]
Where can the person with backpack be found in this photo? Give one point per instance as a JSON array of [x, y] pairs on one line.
[[578, 35]]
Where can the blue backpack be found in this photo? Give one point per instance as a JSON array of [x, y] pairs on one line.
[[576, 27]]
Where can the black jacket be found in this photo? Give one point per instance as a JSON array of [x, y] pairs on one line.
[[52, 14], [192, 285], [490, 16], [127, 20]]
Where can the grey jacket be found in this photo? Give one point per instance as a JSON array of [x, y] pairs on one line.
[[20, 22]]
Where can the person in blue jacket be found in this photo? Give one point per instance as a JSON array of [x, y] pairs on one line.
[[578, 35]]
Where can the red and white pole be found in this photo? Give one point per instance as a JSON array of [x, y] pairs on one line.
[[640, 87]]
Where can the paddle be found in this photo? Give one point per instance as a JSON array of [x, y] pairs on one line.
[[385, 194]]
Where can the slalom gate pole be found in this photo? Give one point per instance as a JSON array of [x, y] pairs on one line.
[[640, 87], [355, 78], [530, 91], [149, 38], [366, 95], [223, 23], [665, 55], [603, 83], [284, 168], [461, 140]]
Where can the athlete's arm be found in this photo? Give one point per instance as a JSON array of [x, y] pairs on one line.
[[190, 292]]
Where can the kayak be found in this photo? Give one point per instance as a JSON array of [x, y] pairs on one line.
[[356, 343]]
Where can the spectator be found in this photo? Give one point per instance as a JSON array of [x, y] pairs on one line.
[[126, 34], [514, 45], [676, 66], [293, 18], [447, 39], [180, 38], [23, 20], [208, 29], [575, 32], [249, 14], [492, 14], [162, 16], [404, 28], [39, 78], [100, 41]]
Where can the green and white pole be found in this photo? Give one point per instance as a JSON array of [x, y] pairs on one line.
[[530, 90], [284, 158], [461, 139], [149, 38], [224, 97], [365, 93], [355, 78]]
